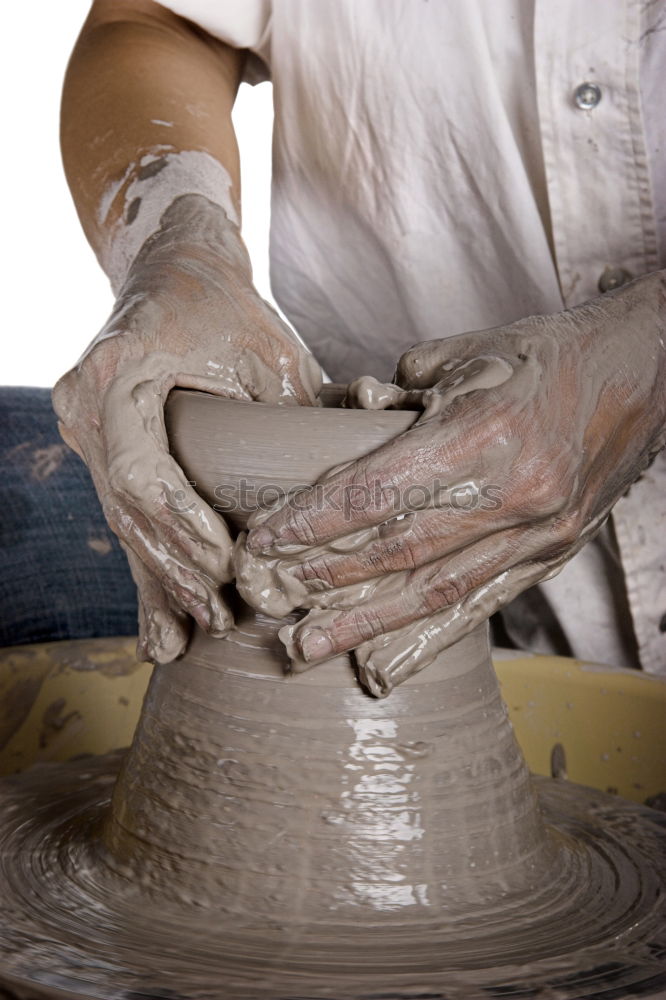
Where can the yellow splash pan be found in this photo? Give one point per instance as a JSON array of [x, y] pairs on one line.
[[598, 726]]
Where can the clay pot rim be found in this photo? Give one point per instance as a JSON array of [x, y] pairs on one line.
[[331, 395]]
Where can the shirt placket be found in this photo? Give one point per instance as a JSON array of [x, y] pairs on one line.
[[595, 154]]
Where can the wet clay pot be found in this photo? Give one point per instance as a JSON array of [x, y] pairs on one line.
[[299, 797], [273, 835]]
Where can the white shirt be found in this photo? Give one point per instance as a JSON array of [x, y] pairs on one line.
[[443, 166]]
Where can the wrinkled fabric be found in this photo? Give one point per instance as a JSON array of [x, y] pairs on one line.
[[64, 575], [433, 174]]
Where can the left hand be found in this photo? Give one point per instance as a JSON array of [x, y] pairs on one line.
[[513, 472]]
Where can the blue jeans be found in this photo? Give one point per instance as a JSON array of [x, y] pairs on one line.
[[64, 575]]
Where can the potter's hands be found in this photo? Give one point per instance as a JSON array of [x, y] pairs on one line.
[[530, 434], [187, 315]]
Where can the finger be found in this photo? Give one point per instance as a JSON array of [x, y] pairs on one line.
[[407, 542], [423, 365], [442, 584], [150, 505], [436, 455], [188, 587], [335, 507], [268, 584], [271, 348], [364, 493], [165, 547], [186, 524], [427, 363], [388, 660], [188, 567], [289, 376], [302, 375], [245, 377], [163, 629]]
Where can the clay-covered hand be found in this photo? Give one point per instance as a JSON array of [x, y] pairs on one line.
[[528, 436], [187, 315]]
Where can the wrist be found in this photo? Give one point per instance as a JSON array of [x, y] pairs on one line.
[[624, 350], [134, 210], [626, 337], [197, 235]]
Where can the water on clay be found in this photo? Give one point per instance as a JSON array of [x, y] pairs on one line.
[[276, 836]]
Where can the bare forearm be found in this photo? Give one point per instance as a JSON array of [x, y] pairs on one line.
[[135, 67]]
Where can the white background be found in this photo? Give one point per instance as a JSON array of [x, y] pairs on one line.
[[55, 296]]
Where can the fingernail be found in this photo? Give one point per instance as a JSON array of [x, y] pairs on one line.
[[260, 539], [315, 645]]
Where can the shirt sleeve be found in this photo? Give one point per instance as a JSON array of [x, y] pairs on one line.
[[242, 24]]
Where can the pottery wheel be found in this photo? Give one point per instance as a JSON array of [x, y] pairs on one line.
[[121, 946], [76, 923]]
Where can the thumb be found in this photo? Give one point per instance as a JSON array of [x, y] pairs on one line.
[[425, 364], [163, 630]]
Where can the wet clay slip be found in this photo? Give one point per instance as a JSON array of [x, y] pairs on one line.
[[273, 835]]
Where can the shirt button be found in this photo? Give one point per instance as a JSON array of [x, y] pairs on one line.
[[612, 278], [587, 96]]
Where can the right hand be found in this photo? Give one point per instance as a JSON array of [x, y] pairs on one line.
[[189, 316]]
